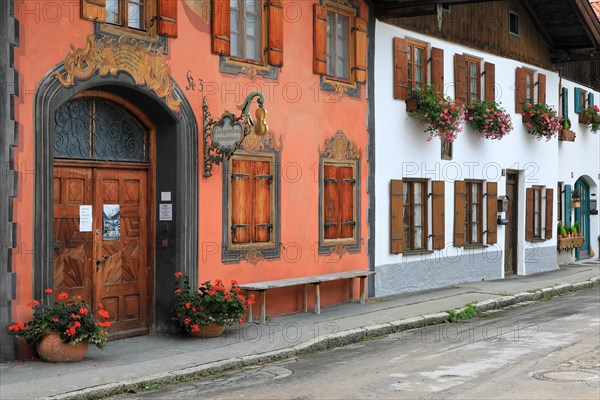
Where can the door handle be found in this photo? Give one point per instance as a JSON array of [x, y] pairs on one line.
[[100, 261]]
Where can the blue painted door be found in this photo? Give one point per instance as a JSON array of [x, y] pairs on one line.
[[582, 215]]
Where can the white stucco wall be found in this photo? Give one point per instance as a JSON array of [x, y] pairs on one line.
[[402, 151], [581, 158]]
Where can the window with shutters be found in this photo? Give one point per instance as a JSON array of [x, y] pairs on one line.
[[339, 195], [417, 64], [415, 214], [339, 47], [581, 102], [473, 79], [339, 202], [248, 32], [140, 19], [539, 208], [474, 212], [251, 220]]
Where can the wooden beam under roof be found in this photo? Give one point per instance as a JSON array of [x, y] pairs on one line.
[[589, 20], [538, 24]]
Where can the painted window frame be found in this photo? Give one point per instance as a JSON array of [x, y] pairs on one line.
[[512, 13], [351, 13], [409, 237], [530, 86], [413, 45], [234, 252], [469, 184], [469, 62], [583, 99]]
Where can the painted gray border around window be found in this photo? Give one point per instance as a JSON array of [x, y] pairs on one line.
[[9, 90], [234, 256], [161, 42], [227, 67], [48, 97], [351, 248]]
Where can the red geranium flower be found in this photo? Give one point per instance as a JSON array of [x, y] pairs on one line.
[[48, 291], [63, 296]]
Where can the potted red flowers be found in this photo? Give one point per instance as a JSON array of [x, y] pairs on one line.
[[442, 116], [62, 331], [205, 312]]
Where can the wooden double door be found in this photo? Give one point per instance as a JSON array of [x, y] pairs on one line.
[[106, 262]]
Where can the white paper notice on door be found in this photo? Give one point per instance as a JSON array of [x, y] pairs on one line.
[[85, 218], [165, 212]]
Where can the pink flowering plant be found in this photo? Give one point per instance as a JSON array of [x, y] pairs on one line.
[[210, 304], [545, 122], [594, 112], [72, 319], [442, 116], [490, 119]]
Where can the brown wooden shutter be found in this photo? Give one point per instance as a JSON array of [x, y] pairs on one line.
[[460, 76], [400, 69], [521, 89], [437, 69], [346, 191], [221, 27], [460, 197], [490, 82], [529, 214], [438, 212], [331, 207], [241, 200], [549, 214], [320, 40], [94, 10], [491, 197], [360, 50], [275, 35], [263, 182], [167, 18], [541, 89], [396, 216]]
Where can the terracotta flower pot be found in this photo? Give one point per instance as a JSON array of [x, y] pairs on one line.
[[209, 331], [411, 104], [527, 117], [52, 349], [566, 135]]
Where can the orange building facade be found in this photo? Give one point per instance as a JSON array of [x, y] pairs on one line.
[[111, 106]]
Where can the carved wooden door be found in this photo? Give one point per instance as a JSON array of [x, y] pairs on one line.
[[110, 264], [73, 250], [121, 247]]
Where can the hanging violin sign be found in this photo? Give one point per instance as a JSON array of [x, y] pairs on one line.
[[224, 136]]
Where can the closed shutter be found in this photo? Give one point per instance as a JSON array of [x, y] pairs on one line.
[[529, 214], [94, 10], [360, 50], [320, 40], [346, 191], [396, 216], [241, 201], [541, 87], [400, 69], [167, 18], [591, 99], [549, 214], [437, 69], [221, 28], [438, 212], [565, 102], [490, 82], [275, 36], [331, 208], [491, 197], [460, 197], [263, 182], [578, 108], [520, 93], [567, 205], [460, 87]]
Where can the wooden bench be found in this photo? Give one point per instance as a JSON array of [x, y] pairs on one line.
[[315, 280]]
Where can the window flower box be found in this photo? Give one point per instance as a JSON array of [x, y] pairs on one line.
[[566, 135], [411, 104], [569, 243], [586, 119]]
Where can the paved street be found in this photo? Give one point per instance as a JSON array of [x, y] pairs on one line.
[[543, 350]]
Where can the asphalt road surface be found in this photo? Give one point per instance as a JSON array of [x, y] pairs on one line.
[[543, 350]]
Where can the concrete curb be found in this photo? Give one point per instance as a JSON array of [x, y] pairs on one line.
[[320, 343]]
